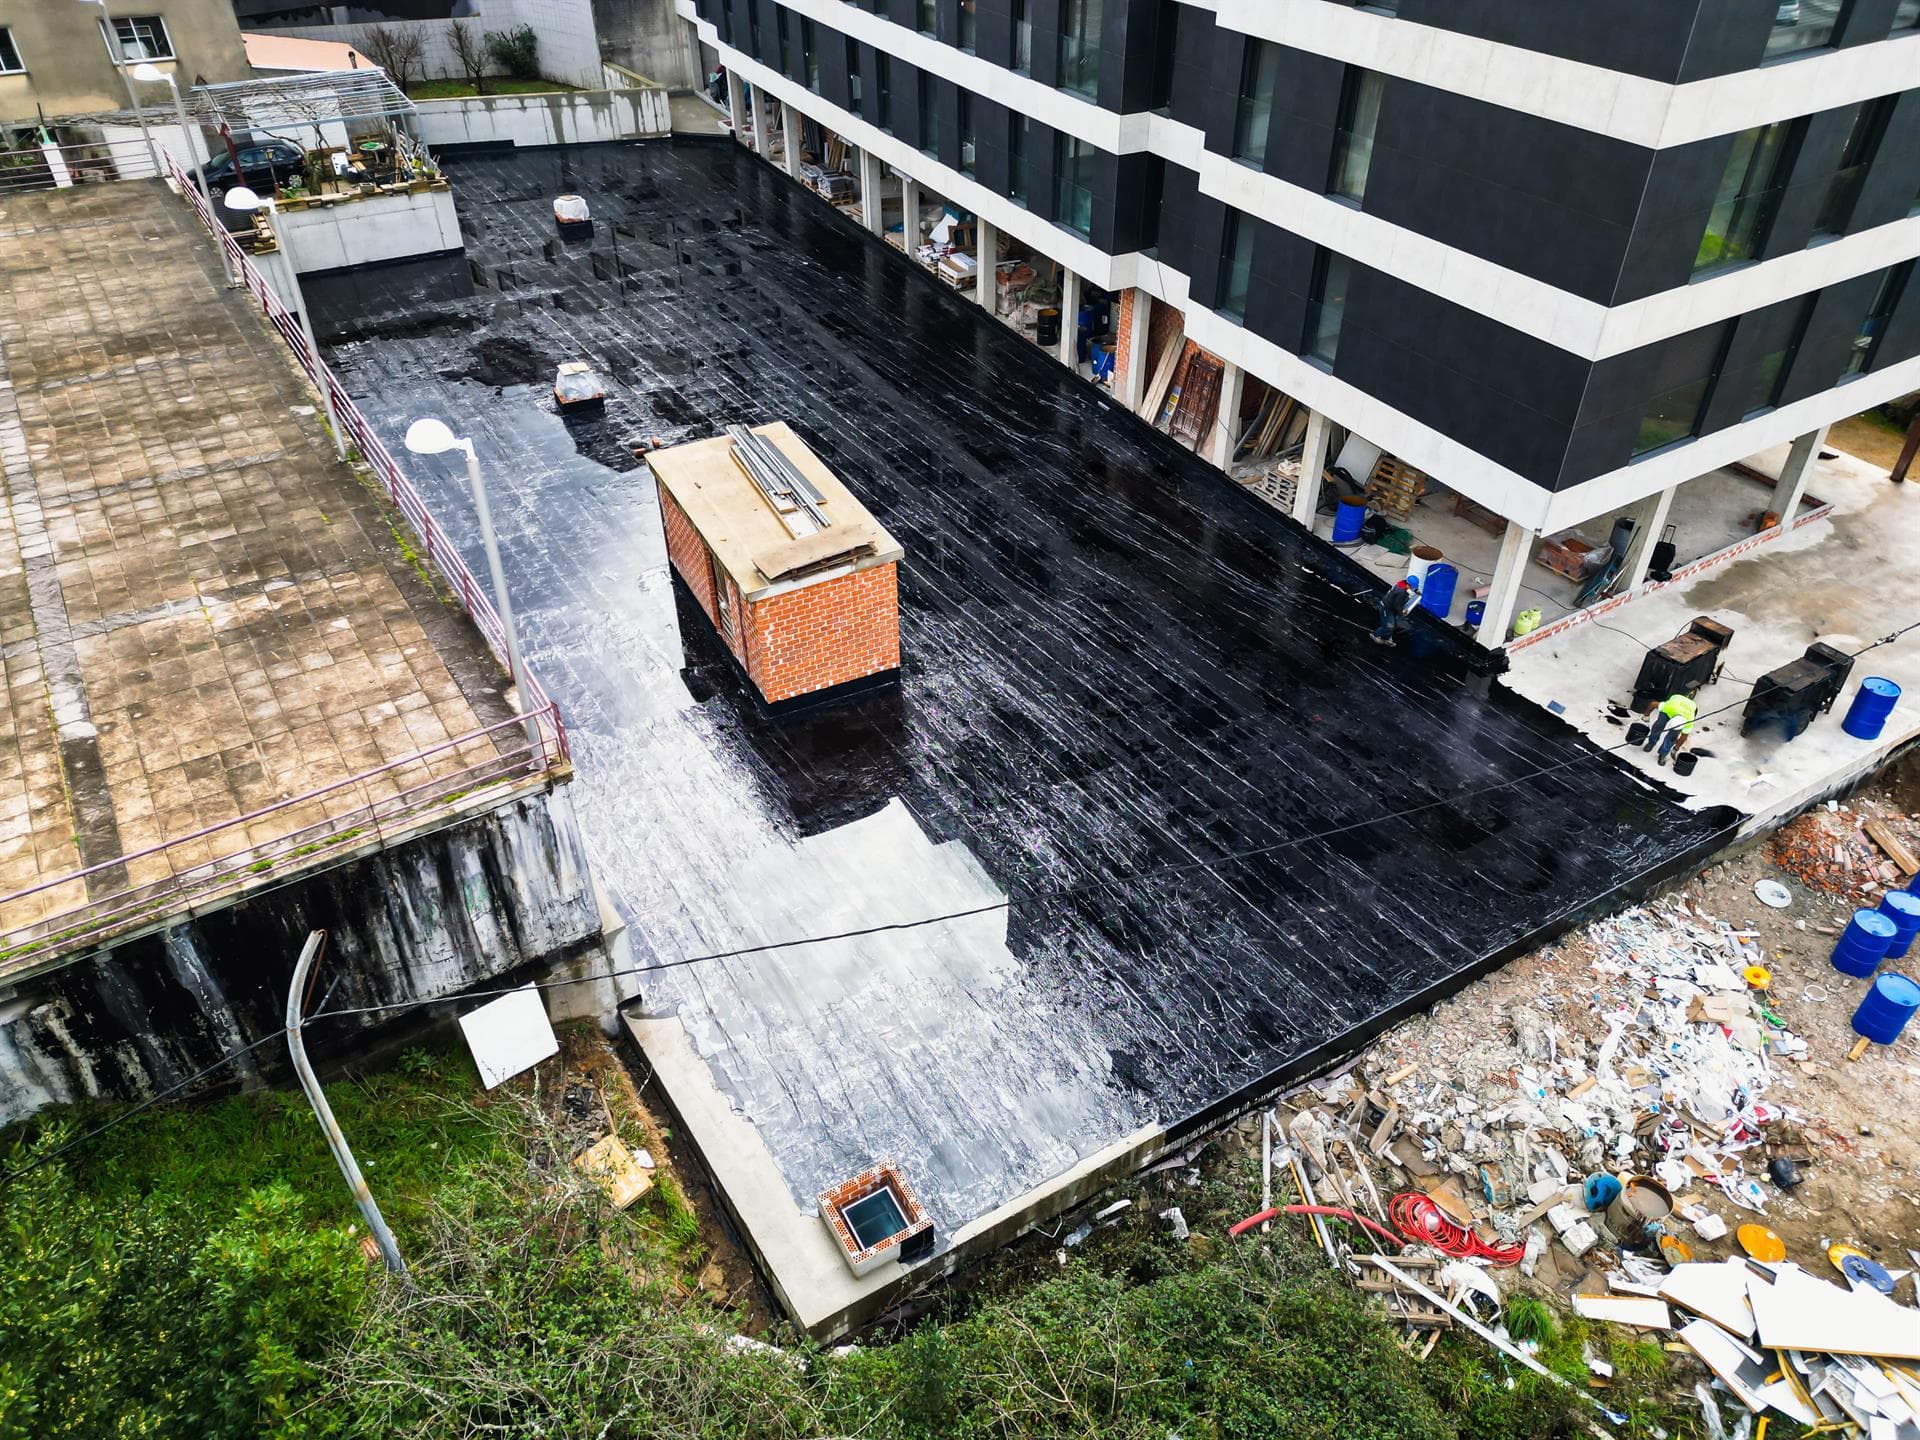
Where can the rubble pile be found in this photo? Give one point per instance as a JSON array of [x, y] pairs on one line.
[[1830, 850]]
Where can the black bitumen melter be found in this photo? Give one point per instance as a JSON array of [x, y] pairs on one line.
[[1119, 673]]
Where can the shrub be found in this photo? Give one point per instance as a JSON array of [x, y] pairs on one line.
[[517, 51]]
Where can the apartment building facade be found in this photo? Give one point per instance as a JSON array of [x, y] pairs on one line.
[[1563, 257], [56, 58]]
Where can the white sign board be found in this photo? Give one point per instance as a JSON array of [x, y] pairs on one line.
[[509, 1035]]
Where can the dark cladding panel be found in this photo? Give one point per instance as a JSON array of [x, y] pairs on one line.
[[1195, 39], [1639, 37], [1809, 172], [1893, 182], [1178, 201], [1830, 336], [1549, 201], [993, 32], [1306, 107], [1680, 190]]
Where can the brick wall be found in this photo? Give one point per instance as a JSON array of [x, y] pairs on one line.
[[802, 640], [1122, 336], [825, 634], [1163, 324]]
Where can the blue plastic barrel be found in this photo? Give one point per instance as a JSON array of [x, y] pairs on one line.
[[1436, 594], [1872, 703], [1903, 908], [1476, 612], [1863, 944], [1347, 521], [1889, 1004]]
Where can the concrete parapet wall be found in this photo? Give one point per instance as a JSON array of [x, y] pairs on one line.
[[558, 117], [371, 230], [506, 894]]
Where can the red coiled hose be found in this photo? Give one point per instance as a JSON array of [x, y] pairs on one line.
[[1423, 1222]]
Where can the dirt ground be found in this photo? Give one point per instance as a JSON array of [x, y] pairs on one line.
[[1872, 437]]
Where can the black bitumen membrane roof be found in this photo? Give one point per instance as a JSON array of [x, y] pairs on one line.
[[1119, 671]]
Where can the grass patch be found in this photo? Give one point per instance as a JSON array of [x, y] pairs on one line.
[[496, 85]]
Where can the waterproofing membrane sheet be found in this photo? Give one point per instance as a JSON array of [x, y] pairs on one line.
[[1117, 671]]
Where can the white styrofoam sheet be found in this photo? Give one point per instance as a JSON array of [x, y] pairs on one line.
[[509, 1035]]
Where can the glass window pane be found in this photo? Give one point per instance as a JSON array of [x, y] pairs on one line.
[[927, 19], [1907, 16], [1745, 202], [966, 132], [1080, 47], [810, 54], [929, 116], [1867, 339], [1843, 190], [1353, 144], [1022, 37], [1327, 305], [1259, 74], [9, 54], [1800, 25], [1671, 416], [883, 90], [1018, 134], [1769, 372], [853, 76], [968, 21], [1236, 265], [1073, 184]]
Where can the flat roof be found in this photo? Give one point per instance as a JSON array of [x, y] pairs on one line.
[[290, 52], [744, 531], [203, 613]]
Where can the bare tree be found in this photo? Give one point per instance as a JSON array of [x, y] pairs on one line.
[[469, 53], [398, 52]]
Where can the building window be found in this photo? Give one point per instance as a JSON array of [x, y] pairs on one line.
[[927, 17], [1353, 141], [1866, 340], [969, 24], [753, 32], [1080, 47], [141, 37], [786, 49], [1073, 183], [1907, 17], [1783, 330], [967, 159], [1749, 193], [1022, 37], [1166, 40], [854, 97], [1802, 25], [9, 54], [1259, 74], [883, 90], [929, 116], [810, 54], [1674, 414], [1236, 265], [1327, 304], [1863, 143], [1019, 133]]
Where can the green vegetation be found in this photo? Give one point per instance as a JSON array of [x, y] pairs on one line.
[[496, 85], [198, 1272]]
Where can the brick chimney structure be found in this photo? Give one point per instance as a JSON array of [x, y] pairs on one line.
[[801, 583]]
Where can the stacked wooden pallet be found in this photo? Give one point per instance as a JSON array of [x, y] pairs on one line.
[[1394, 487]]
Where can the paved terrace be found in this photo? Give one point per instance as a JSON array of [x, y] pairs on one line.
[[202, 612], [1117, 670]]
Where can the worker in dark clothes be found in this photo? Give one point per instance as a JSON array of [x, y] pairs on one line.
[[1675, 723], [1395, 606]]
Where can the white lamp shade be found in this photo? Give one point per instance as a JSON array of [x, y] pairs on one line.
[[430, 437], [242, 198], [148, 74]]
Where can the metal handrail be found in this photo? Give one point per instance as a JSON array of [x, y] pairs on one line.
[[546, 746]]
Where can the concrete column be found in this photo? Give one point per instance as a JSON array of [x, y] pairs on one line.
[[873, 197], [790, 137], [1130, 366], [910, 209], [984, 259], [1069, 318], [762, 127], [1793, 476], [1650, 522], [1503, 595], [1226, 420], [737, 106], [1313, 465]]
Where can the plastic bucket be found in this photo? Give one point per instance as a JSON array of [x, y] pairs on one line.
[[1872, 703], [1684, 762], [1903, 908], [1637, 732], [1347, 521], [1476, 612], [1863, 944], [1890, 1002], [1436, 593], [1638, 1211], [1420, 559]]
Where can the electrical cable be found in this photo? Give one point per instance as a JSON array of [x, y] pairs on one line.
[[1423, 1222]]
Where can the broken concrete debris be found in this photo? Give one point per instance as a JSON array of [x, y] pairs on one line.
[[1631, 1110]]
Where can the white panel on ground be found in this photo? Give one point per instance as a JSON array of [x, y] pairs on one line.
[[509, 1035]]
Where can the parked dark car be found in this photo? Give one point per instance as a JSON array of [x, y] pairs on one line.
[[263, 167]]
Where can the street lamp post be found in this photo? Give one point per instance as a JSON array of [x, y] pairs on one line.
[[244, 200], [126, 78], [151, 75], [432, 437]]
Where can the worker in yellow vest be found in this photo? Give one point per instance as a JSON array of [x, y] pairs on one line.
[[1675, 722]]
